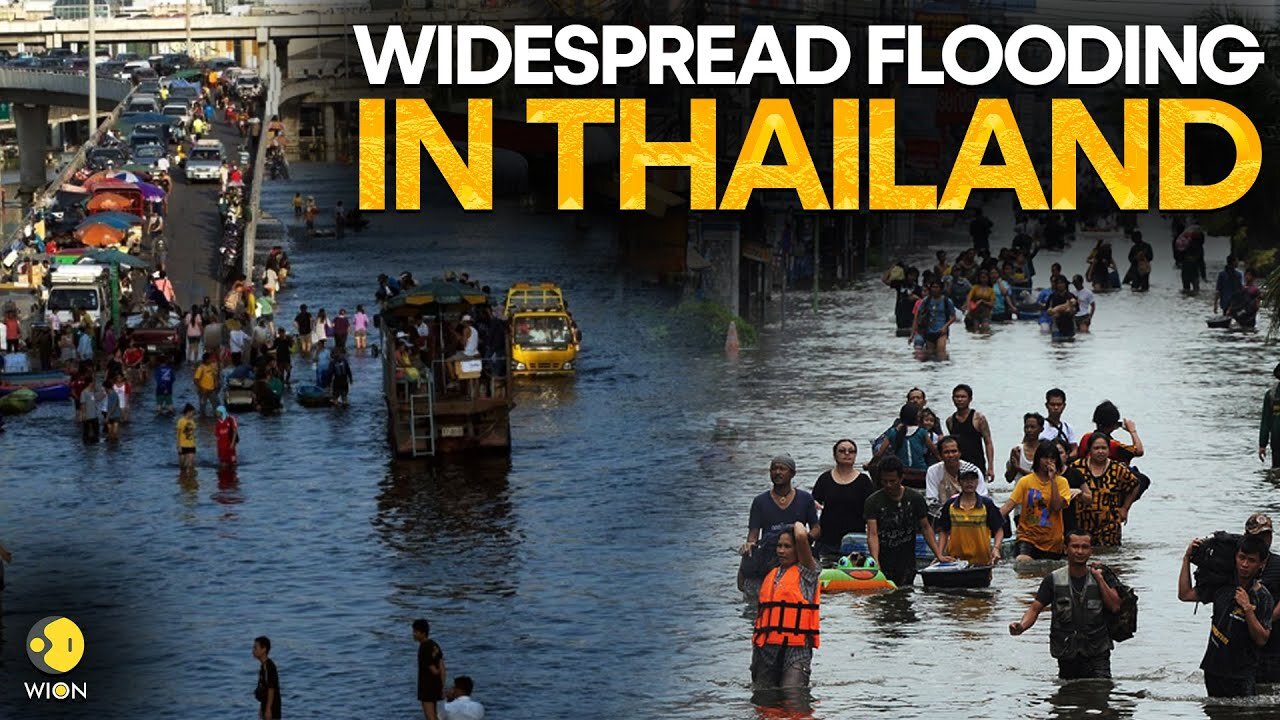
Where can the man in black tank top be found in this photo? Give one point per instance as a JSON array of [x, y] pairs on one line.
[[971, 431]]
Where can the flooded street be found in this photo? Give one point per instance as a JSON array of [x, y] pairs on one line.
[[592, 574]]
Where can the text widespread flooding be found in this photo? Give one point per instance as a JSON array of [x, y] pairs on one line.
[[597, 570]]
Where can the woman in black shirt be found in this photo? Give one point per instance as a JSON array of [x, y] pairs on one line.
[[842, 492]]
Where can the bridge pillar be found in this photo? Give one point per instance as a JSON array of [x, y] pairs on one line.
[[32, 123], [282, 55], [330, 133]]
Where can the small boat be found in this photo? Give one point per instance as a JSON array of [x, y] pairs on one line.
[[857, 543], [49, 392], [34, 379], [854, 578], [239, 394], [22, 400], [313, 396], [1219, 322], [958, 574]]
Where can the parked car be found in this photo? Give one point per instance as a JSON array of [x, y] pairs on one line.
[[100, 157]]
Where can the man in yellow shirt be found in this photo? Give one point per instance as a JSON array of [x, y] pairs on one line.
[[187, 439], [206, 377]]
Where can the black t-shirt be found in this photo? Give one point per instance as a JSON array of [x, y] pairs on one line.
[[269, 678], [304, 323], [283, 347], [1075, 479], [1066, 322], [1231, 652], [842, 506], [430, 686], [1271, 581], [770, 519], [897, 521], [980, 228]]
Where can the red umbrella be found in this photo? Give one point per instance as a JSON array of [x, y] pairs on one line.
[[109, 201], [100, 235]]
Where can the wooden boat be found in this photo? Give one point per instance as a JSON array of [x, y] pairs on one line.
[[22, 400], [312, 396], [1219, 322], [447, 406], [958, 574], [49, 392], [33, 379]]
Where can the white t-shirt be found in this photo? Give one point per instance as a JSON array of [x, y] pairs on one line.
[[1084, 297], [462, 708], [1050, 433], [238, 339]]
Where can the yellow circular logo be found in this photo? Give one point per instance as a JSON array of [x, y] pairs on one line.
[[55, 645]]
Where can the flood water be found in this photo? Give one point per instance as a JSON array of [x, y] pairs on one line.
[[592, 574]]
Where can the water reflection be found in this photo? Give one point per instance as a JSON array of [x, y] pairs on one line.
[[783, 704], [228, 488], [893, 612], [1081, 699]]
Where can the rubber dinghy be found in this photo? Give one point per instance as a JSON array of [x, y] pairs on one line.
[[848, 577]]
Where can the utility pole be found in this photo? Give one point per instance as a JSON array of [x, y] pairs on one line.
[[93, 74], [188, 28]]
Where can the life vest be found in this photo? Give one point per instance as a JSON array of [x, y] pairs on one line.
[[1078, 627], [784, 616]]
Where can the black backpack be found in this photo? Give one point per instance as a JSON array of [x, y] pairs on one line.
[[1124, 624], [1215, 561]]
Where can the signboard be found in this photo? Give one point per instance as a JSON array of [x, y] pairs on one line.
[[6, 111]]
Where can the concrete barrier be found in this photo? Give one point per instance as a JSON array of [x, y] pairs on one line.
[[270, 106]]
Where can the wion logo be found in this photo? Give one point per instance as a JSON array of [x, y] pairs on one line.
[[55, 646]]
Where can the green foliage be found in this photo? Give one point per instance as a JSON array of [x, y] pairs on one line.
[[705, 324]]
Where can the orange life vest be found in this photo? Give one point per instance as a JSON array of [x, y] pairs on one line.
[[785, 617]]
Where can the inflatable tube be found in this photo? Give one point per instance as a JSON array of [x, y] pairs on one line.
[[313, 396], [849, 578], [22, 400]]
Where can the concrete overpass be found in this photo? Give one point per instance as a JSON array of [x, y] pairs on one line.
[[261, 28], [32, 93]]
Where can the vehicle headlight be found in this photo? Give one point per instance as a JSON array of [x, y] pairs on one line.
[[568, 366], [520, 366]]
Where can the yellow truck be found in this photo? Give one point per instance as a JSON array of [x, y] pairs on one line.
[[544, 338]]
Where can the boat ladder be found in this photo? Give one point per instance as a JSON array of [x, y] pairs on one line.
[[422, 418]]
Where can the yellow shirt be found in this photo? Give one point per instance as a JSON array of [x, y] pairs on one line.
[[970, 530], [206, 378], [186, 432], [1036, 524]]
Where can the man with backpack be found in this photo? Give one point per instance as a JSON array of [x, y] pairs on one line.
[[1087, 615], [933, 320], [1242, 610], [339, 377]]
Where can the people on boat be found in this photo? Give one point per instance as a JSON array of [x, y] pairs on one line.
[[779, 507], [841, 494], [787, 627], [1040, 497], [1079, 597], [894, 514], [970, 526]]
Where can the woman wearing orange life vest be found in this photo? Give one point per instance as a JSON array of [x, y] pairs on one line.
[[786, 629]]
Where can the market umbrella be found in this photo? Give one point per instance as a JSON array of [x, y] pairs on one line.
[[124, 175], [151, 192], [117, 220], [109, 201], [141, 171], [113, 256], [100, 235]]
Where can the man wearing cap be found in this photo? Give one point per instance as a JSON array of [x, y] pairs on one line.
[[772, 511], [1269, 657], [1269, 430]]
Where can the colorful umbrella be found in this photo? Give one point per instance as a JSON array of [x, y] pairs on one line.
[[117, 220], [125, 176], [115, 257], [100, 235], [151, 192], [109, 201]]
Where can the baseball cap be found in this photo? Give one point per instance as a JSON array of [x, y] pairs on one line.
[[1257, 524]]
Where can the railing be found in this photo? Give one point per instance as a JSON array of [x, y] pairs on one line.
[[270, 107]]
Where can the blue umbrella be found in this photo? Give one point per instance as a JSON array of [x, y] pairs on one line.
[[150, 192], [116, 219]]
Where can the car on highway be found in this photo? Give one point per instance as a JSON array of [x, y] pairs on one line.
[[180, 109], [205, 161], [149, 156], [100, 158]]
